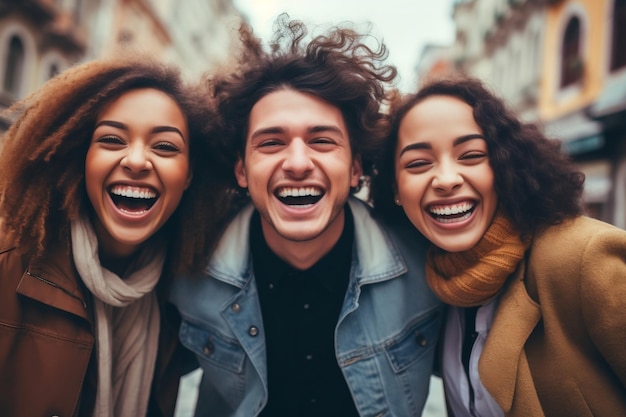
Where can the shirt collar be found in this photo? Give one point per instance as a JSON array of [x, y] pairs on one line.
[[339, 257]]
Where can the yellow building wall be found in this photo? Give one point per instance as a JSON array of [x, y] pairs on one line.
[[554, 102]]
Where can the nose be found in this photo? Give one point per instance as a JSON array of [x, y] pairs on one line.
[[298, 160], [136, 159], [447, 177]]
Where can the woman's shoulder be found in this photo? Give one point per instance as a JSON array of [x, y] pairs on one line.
[[576, 230], [576, 239], [9, 253]]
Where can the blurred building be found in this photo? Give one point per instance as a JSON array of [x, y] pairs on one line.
[[40, 38], [560, 63], [195, 34], [435, 61]]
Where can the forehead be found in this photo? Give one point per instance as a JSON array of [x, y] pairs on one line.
[[438, 117], [129, 101], [294, 111], [145, 107]]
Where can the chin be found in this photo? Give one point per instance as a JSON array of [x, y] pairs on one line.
[[455, 246]]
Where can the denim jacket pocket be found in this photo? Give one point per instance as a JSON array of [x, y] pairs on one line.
[[418, 340], [223, 361], [213, 347]]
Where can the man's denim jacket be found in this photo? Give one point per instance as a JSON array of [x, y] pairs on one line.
[[384, 340]]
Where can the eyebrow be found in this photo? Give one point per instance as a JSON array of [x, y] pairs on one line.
[[426, 145], [156, 129], [312, 129]]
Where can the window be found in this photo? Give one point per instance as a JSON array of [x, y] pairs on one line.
[[571, 60], [618, 51], [53, 70], [14, 67]]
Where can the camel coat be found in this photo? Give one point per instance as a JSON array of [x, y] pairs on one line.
[[557, 346]]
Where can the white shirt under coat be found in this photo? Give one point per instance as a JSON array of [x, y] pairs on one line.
[[454, 377]]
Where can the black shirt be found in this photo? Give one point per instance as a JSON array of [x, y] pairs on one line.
[[300, 312]]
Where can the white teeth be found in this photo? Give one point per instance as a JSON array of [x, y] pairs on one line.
[[453, 220], [452, 209], [299, 192], [133, 192], [132, 212]]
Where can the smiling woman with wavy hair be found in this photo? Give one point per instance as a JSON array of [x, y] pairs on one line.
[[536, 290], [108, 187]]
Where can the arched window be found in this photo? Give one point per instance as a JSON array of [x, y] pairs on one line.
[[53, 70], [14, 67], [571, 59], [618, 48]]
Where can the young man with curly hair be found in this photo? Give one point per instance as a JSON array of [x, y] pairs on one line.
[[310, 307]]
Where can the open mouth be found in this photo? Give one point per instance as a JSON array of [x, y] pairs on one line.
[[133, 199], [299, 196], [453, 212]]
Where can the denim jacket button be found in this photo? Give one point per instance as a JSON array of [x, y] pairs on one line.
[[420, 339], [208, 349], [253, 331], [236, 307]]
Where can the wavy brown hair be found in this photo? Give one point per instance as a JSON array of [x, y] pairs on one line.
[[536, 183], [42, 159], [339, 67]]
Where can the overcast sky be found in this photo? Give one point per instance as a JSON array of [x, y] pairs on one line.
[[404, 25]]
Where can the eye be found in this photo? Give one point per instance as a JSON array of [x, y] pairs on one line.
[[110, 140], [166, 147], [418, 165], [322, 141], [473, 156], [268, 143]]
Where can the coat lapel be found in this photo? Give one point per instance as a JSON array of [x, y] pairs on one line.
[[503, 366], [52, 281]]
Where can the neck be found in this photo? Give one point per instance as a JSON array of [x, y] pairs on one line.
[[115, 264], [305, 253]]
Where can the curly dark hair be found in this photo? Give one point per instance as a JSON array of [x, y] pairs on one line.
[[339, 67], [42, 160], [537, 184]]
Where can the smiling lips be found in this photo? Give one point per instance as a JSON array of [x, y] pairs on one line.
[[452, 213], [133, 200], [299, 196]]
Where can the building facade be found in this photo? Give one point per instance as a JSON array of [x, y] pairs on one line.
[[583, 96], [40, 38]]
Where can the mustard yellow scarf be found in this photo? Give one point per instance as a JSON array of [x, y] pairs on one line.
[[474, 277]]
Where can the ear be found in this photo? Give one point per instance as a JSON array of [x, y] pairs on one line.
[[240, 173], [356, 172], [396, 196], [188, 180]]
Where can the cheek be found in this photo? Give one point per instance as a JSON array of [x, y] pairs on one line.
[[410, 187], [488, 185], [93, 174], [176, 177]]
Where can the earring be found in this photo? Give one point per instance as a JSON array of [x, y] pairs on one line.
[[398, 201]]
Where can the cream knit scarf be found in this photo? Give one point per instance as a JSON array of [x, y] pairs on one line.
[[127, 327], [473, 277]]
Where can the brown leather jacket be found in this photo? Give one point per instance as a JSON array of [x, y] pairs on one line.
[[47, 355]]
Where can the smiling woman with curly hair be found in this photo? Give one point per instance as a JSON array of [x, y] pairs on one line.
[[536, 291], [107, 188]]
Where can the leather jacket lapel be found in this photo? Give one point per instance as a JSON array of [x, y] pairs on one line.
[[53, 281]]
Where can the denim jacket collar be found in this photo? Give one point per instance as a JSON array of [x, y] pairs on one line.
[[377, 257]]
